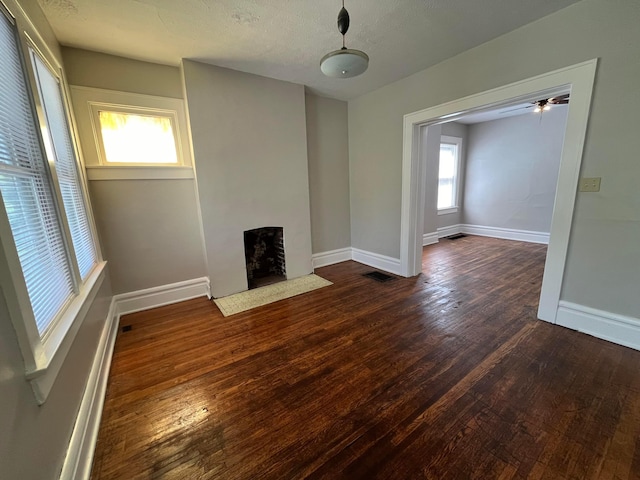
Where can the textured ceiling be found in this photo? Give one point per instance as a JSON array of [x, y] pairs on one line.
[[285, 39]]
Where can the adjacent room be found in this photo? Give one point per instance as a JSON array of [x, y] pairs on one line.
[[497, 176], [292, 239], [498, 172]]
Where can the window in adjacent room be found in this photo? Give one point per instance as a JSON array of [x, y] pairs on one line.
[[448, 174]]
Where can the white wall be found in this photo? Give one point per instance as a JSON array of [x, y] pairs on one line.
[[139, 220], [150, 231], [110, 72], [328, 152], [512, 170], [250, 148], [603, 261]]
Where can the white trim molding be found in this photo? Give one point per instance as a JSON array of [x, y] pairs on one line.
[[506, 233], [608, 326], [87, 103], [163, 295], [450, 230], [448, 211], [330, 257], [381, 262], [430, 238], [375, 260], [102, 172], [79, 457], [495, 232]]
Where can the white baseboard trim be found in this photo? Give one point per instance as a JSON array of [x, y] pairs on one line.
[[163, 295], [495, 232], [381, 262], [330, 257], [429, 238], [615, 328], [506, 233], [450, 230], [77, 465]]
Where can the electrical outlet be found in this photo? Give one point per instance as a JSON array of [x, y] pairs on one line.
[[590, 184]]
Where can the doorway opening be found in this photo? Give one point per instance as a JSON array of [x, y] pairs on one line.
[[494, 175], [578, 80]]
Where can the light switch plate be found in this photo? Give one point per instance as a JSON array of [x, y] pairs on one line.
[[590, 184]]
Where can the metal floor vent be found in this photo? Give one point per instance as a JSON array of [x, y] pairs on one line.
[[378, 276], [456, 236]]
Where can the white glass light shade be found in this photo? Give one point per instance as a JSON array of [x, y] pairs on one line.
[[345, 63]]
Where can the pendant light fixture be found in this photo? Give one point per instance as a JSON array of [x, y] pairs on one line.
[[346, 62]]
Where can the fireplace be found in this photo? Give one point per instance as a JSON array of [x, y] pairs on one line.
[[264, 254]]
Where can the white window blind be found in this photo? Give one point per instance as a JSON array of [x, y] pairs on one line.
[[26, 191], [65, 161]]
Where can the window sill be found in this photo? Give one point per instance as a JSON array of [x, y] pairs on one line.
[[54, 349], [104, 172], [447, 211]]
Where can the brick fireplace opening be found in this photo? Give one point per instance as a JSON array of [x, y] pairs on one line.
[[264, 254]]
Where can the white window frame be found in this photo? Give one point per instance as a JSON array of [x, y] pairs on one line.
[[89, 101], [44, 355], [172, 115], [449, 140]]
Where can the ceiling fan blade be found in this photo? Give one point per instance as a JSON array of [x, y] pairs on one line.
[[559, 100]]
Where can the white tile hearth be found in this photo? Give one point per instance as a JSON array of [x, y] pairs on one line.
[[243, 301]]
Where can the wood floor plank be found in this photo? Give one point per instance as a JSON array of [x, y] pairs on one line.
[[448, 375]]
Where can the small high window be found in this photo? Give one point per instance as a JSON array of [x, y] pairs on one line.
[[128, 135], [137, 139]]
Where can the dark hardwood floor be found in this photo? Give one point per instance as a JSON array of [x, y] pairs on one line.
[[443, 376]]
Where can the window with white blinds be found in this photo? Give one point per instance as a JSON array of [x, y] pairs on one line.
[[53, 239], [26, 191], [58, 138]]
